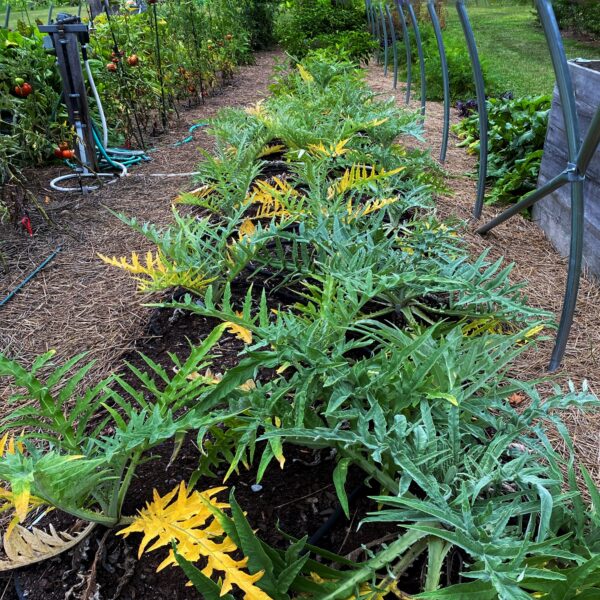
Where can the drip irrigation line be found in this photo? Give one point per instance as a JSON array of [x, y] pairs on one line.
[[29, 277], [337, 514], [190, 174]]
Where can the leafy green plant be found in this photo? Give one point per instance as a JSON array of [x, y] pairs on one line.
[[517, 130], [358, 46], [303, 20], [369, 331], [67, 439]]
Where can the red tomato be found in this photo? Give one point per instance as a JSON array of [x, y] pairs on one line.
[[23, 90]]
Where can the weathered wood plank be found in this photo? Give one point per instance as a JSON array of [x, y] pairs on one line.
[[553, 214]]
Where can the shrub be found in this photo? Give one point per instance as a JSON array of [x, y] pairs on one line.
[[583, 16], [302, 21], [354, 45], [260, 22]]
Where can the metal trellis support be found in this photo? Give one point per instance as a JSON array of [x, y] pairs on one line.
[[415, 25], [394, 43], [481, 104], [406, 38], [368, 9], [385, 40], [445, 76], [377, 33], [579, 157]]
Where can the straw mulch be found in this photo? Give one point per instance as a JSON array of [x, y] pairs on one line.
[[77, 303], [536, 262]]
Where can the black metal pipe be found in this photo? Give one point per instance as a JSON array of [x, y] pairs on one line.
[[445, 77], [415, 25], [481, 102], [394, 44], [406, 38]]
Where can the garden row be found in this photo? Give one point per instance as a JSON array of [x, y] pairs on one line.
[[362, 327], [144, 65]]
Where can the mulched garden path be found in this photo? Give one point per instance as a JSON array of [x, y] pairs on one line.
[[521, 242]]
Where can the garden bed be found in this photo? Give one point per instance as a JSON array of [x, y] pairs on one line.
[[382, 361]]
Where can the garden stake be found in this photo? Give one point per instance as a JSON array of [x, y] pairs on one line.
[[385, 40], [579, 155], [160, 73], [50, 9], [481, 105], [7, 16], [128, 98], [445, 77], [406, 39], [415, 25], [197, 49], [30, 277], [374, 24], [369, 20], [394, 43], [378, 36]]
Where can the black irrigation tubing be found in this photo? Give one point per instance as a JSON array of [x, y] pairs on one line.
[[29, 277], [337, 514]]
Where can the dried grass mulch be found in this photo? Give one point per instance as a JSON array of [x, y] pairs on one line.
[[77, 303]]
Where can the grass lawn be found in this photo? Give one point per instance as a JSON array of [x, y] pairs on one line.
[[35, 13], [513, 45]]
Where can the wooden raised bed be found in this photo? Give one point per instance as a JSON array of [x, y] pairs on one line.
[[553, 214]]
